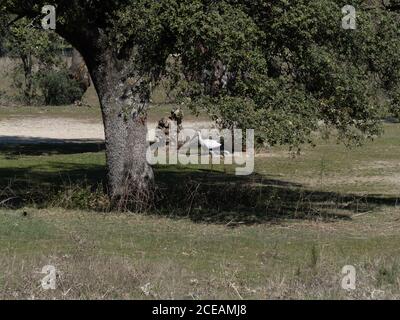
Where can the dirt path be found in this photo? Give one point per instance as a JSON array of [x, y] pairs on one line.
[[59, 129]]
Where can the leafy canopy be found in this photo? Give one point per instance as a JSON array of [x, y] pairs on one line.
[[285, 68], [281, 67]]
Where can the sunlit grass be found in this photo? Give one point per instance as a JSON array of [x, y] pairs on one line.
[[285, 232]]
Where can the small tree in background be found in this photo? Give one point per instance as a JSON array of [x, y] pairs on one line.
[[37, 53], [58, 88]]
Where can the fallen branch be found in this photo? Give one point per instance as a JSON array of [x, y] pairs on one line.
[[6, 200]]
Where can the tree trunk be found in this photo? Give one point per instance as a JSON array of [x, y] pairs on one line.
[[124, 100], [130, 178], [27, 65], [79, 72]]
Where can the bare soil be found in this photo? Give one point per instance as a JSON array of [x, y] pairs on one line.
[[57, 129]]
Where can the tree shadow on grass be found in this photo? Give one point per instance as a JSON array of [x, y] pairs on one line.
[[203, 196], [56, 184], [30, 146], [216, 197]]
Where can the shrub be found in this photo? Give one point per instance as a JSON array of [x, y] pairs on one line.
[[58, 88]]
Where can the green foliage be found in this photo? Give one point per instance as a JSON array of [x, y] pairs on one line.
[[394, 107], [283, 68], [2, 47], [58, 88], [36, 50]]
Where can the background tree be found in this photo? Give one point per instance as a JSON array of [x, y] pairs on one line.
[[280, 67], [79, 72], [393, 6], [40, 74], [32, 47], [2, 47]]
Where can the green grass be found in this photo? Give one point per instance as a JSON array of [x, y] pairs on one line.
[[181, 259], [285, 232]]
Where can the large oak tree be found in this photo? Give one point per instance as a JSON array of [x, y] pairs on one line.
[[281, 67]]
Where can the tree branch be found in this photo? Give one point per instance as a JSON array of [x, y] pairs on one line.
[[19, 17], [392, 7]]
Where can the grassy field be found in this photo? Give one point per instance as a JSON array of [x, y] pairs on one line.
[[285, 232]]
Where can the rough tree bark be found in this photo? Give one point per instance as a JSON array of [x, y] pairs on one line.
[[124, 98], [124, 101], [123, 93], [27, 66]]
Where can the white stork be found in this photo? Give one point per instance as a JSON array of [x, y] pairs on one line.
[[212, 146]]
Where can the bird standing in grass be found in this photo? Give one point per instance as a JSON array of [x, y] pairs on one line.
[[213, 147]]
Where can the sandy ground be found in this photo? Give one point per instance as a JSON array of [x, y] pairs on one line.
[[46, 129]]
